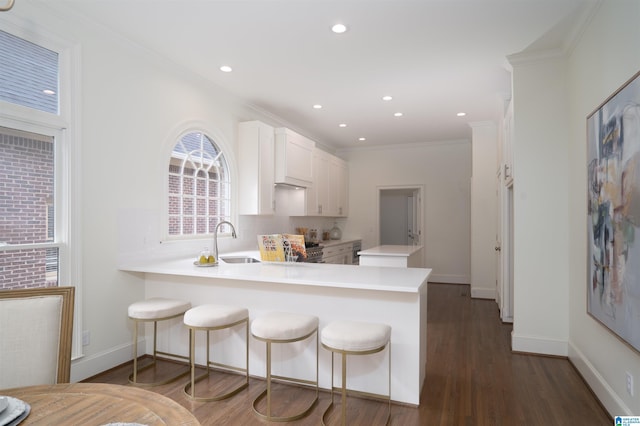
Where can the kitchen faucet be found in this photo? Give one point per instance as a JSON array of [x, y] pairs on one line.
[[215, 237]]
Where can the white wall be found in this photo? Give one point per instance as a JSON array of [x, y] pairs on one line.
[[484, 203], [606, 56], [444, 169], [553, 95], [133, 105], [541, 219]]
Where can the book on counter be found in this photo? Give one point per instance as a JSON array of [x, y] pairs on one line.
[[282, 247]]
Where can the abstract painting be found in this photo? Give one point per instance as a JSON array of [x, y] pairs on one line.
[[613, 214]]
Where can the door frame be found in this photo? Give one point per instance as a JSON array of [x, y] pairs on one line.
[[419, 189]]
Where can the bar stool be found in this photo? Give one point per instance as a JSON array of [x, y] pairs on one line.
[[278, 327], [210, 318], [154, 309], [355, 338]]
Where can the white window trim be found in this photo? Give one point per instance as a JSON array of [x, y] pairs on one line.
[[219, 139], [65, 128]]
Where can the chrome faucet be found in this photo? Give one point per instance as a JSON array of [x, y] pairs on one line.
[[215, 237]]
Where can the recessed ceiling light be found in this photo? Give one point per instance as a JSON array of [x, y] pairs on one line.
[[397, 114], [48, 92], [317, 106], [387, 98], [226, 68], [342, 125], [362, 139], [339, 28], [461, 114]]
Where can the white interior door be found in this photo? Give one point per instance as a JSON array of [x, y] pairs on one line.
[[400, 216]]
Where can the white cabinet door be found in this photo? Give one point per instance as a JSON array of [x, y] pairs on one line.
[[317, 193], [256, 151], [294, 158], [343, 187], [338, 187], [327, 196], [338, 254]]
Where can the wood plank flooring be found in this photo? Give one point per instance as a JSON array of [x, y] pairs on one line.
[[473, 378]]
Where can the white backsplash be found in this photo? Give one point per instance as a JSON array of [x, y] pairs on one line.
[[139, 240]]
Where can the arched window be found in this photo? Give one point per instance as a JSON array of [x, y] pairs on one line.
[[199, 186]]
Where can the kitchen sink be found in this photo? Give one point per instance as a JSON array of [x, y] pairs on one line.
[[238, 259]]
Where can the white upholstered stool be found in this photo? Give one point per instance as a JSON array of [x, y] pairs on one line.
[[154, 309], [277, 327], [355, 338], [210, 318]]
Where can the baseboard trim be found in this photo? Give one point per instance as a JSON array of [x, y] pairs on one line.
[[88, 366], [538, 345], [483, 293], [449, 279], [611, 402]]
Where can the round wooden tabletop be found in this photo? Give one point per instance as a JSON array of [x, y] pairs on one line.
[[99, 404]]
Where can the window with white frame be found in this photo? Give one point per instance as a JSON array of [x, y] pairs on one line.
[[40, 215], [199, 187]]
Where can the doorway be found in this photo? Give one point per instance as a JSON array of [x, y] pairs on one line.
[[400, 215]]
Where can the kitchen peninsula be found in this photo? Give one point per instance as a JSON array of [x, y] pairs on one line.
[[395, 296]]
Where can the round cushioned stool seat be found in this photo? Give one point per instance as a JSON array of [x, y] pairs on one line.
[[211, 316], [157, 307], [354, 336], [283, 326]]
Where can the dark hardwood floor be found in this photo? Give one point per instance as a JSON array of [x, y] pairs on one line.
[[472, 379]]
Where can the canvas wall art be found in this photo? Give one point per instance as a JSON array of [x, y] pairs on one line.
[[613, 216]]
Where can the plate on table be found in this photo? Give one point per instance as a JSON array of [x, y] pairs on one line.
[[21, 417], [4, 403], [15, 411], [205, 265]]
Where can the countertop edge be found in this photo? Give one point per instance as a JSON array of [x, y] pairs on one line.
[[259, 272]]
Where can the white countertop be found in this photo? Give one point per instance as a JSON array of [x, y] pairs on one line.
[[390, 250], [311, 274]]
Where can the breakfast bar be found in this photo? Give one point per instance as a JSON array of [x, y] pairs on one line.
[[394, 296]]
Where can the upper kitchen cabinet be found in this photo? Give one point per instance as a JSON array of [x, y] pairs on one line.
[[318, 192], [338, 187], [329, 192], [293, 158], [256, 166]]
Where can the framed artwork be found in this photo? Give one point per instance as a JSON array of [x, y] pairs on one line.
[[613, 213]]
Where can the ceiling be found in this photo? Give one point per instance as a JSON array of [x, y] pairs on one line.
[[434, 57]]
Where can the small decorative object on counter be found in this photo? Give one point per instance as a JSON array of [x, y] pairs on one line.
[[326, 235], [206, 258], [336, 233]]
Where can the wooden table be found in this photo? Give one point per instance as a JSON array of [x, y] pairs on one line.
[[99, 404]]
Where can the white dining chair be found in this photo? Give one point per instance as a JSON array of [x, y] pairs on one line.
[[36, 327]]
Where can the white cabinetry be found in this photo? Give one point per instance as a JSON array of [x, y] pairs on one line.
[[338, 254], [318, 192], [328, 195], [256, 168], [507, 146], [294, 158], [338, 187]]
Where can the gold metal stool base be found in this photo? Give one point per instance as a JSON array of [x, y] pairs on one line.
[[190, 388], [343, 388], [268, 393], [133, 377]]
